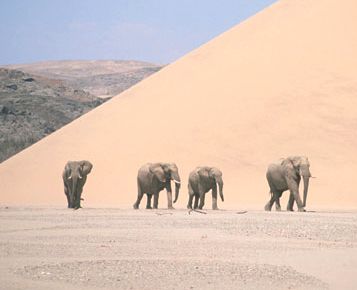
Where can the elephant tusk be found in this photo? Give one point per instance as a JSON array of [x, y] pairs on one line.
[[70, 177], [79, 176], [177, 182]]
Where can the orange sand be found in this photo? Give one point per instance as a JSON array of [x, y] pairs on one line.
[[282, 83]]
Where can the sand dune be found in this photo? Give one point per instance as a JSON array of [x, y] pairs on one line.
[[281, 83]]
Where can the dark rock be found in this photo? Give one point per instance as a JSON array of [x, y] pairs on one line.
[[49, 130], [5, 110], [28, 79], [12, 87]]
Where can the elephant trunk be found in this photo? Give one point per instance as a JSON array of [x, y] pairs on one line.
[[220, 186], [177, 189], [73, 192], [306, 188], [305, 173], [176, 179]]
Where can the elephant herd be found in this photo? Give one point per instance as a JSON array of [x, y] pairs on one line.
[[285, 174]]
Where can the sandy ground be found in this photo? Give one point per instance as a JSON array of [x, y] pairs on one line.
[[56, 248]]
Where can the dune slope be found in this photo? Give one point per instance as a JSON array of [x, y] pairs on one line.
[[281, 83]]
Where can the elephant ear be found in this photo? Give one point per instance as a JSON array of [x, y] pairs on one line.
[[291, 166], [86, 167], [296, 161], [204, 172], [158, 171], [215, 172], [67, 170]]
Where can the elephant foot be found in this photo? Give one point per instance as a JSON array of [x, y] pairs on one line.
[[215, 208], [189, 207], [289, 209], [301, 209], [267, 208], [170, 207], [148, 207], [278, 208], [136, 206]]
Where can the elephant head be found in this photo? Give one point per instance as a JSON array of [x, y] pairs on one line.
[[302, 167], [76, 174], [215, 176], [165, 172]]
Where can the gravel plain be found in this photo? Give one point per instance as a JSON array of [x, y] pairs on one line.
[[56, 248]]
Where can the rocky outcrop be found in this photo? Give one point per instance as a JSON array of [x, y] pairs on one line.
[[33, 107]]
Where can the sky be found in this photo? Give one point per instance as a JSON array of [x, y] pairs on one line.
[[158, 31]]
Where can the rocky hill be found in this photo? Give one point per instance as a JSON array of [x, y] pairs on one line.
[[103, 78], [37, 99], [32, 107]]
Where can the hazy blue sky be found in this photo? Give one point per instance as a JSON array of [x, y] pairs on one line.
[[152, 30]]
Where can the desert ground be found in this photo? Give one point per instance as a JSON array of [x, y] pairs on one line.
[[112, 248]]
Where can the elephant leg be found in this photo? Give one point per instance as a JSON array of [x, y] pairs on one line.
[[190, 199], [277, 204], [66, 192], [169, 200], [70, 195], [214, 199], [140, 196], [270, 203], [294, 190], [190, 196], [290, 206], [148, 201], [197, 198], [202, 200], [76, 205], [77, 200], [298, 201], [68, 202], [156, 200], [277, 201], [169, 196]]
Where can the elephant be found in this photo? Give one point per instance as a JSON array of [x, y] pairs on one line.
[[74, 177], [200, 181], [286, 175], [154, 177]]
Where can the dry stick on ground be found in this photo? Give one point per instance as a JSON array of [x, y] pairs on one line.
[[196, 210], [241, 212], [163, 213]]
